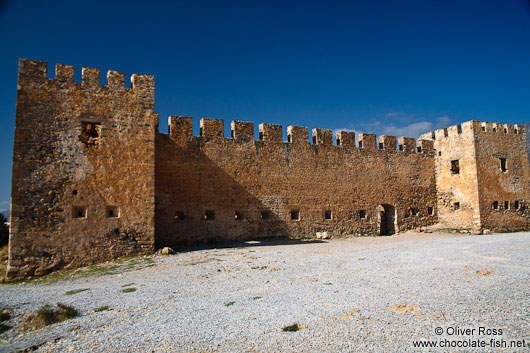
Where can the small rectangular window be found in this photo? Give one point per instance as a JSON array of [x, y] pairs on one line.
[[289, 138], [506, 205], [381, 145], [338, 142], [430, 211], [200, 131], [90, 133], [314, 140], [440, 153], [265, 215], [112, 212], [503, 165], [209, 215], [360, 144], [516, 131], [495, 205], [505, 130], [328, 214], [494, 129], [516, 204], [362, 214], [483, 128], [418, 149], [295, 215], [413, 212], [79, 212], [455, 166], [456, 206], [261, 136], [239, 216], [179, 216]]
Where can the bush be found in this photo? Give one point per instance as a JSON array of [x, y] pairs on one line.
[[4, 231]]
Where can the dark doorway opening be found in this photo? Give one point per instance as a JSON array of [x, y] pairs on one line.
[[387, 220]]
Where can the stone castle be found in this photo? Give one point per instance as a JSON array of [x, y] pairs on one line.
[[93, 179]]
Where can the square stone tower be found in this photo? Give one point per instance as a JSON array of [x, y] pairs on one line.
[[83, 185]]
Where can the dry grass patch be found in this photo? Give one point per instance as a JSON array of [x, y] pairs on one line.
[[405, 308], [47, 315], [485, 272]]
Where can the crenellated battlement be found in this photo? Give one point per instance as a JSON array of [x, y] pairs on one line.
[[481, 128], [32, 71], [181, 127]]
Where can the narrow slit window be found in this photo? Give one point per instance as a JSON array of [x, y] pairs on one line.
[[483, 128], [503, 165], [239, 216], [516, 205], [112, 212], [506, 205], [328, 214], [505, 130], [516, 131], [200, 131], [338, 142], [455, 166], [362, 214], [418, 149], [439, 153], [430, 211], [360, 144], [314, 140], [209, 215], [295, 215], [288, 138], [261, 136], [381, 145], [456, 206], [495, 205], [494, 129], [179, 216]]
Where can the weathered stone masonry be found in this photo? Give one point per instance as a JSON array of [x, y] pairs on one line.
[[93, 178]]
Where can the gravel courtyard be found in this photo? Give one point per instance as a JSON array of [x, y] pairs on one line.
[[369, 294]]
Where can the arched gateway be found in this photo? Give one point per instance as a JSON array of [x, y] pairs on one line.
[[387, 219]]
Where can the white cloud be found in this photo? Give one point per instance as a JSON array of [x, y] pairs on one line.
[[389, 125], [443, 121], [410, 130], [4, 203]]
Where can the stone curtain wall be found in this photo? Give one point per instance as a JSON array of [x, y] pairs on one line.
[[83, 169], [212, 188]]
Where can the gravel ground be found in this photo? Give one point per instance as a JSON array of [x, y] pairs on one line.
[[344, 293]]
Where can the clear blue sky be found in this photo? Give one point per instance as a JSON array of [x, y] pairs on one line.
[[395, 67]]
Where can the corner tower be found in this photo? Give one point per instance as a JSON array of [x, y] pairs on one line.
[[482, 173], [83, 169]]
